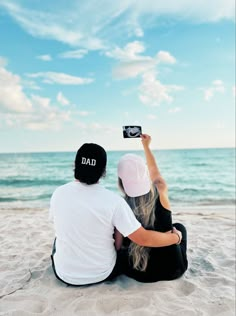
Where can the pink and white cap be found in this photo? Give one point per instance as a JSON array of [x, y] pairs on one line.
[[133, 172]]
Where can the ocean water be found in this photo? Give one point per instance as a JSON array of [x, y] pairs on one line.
[[195, 177]]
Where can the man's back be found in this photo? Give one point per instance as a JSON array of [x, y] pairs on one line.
[[84, 218]]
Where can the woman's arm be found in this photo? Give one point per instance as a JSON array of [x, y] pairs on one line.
[[118, 239], [154, 172]]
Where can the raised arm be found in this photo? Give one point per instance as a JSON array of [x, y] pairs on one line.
[[154, 172]]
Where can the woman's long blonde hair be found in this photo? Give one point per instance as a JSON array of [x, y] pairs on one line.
[[144, 210]]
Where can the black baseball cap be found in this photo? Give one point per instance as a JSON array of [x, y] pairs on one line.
[[90, 163]]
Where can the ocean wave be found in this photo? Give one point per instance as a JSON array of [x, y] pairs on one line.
[[14, 182], [202, 202], [29, 198], [199, 164]]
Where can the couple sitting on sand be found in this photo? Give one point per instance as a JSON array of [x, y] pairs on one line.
[[100, 235]]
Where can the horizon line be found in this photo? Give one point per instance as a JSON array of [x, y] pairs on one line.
[[116, 150]]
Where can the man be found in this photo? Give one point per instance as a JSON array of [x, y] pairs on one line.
[[85, 215]]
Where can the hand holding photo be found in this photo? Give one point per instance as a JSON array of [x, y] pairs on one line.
[[132, 131]]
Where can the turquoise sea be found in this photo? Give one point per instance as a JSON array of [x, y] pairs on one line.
[[195, 177]]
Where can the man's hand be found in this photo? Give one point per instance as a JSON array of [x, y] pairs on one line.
[[150, 238]]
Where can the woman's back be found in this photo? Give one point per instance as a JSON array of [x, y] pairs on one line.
[[164, 263], [147, 195]]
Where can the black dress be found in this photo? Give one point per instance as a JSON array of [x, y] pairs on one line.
[[165, 263]]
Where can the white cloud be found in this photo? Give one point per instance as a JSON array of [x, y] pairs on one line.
[[85, 24], [165, 57], [129, 53], [96, 126], [40, 102], [45, 116], [45, 57], [30, 112], [153, 92], [139, 32], [174, 110], [76, 54], [93, 129], [12, 96], [61, 24], [132, 64], [151, 117], [208, 94], [60, 78], [220, 125], [30, 84], [217, 86], [195, 11], [83, 113], [132, 69], [62, 99], [174, 87]]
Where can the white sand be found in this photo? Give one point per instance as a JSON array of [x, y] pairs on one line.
[[29, 287]]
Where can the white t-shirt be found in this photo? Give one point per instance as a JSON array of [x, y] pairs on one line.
[[84, 218]]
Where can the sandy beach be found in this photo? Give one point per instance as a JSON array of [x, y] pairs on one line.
[[29, 287]]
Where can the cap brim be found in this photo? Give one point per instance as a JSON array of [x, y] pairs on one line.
[[135, 189]]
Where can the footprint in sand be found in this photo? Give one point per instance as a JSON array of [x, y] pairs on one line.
[[114, 303], [200, 265], [185, 288]]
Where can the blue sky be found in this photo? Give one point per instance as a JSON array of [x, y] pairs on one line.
[[77, 71]]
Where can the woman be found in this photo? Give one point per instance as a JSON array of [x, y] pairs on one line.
[[146, 192]]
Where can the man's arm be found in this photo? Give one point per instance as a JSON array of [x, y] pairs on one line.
[[150, 238]]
